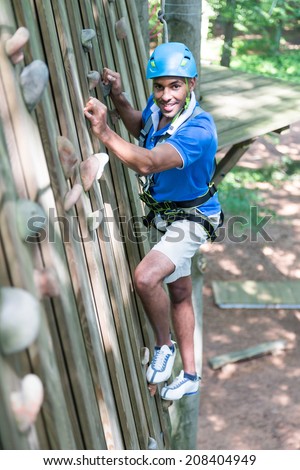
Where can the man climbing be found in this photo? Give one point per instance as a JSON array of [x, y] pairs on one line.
[[175, 160]]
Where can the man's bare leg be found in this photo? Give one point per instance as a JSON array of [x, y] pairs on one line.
[[149, 277], [183, 320]]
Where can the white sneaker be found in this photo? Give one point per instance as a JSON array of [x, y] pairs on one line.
[[180, 387], [161, 365]]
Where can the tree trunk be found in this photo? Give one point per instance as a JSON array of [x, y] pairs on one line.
[[229, 31], [184, 25]]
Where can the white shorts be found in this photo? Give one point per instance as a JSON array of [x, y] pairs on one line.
[[180, 242]]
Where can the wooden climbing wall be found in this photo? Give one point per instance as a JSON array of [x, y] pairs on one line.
[[73, 336]]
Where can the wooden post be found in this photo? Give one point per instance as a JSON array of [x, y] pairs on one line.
[[184, 413]]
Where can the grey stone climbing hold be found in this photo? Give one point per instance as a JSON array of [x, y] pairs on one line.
[[86, 39], [31, 219], [93, 79], [152, 444], [121, 28], [19, 319], [106, 89], [33, 81], [14, 45]]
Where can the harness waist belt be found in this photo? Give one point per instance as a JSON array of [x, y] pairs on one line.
[[206, 224]]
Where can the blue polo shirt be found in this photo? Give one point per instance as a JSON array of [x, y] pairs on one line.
[[196, 142]]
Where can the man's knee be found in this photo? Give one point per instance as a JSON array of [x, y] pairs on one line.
[[180, 290], [143, 278]]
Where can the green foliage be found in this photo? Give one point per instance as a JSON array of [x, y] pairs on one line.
[[155, 27], [284, 66], [255, 15], [269, 18], [259, 45]]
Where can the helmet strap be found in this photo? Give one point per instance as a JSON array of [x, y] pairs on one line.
[[188, 94]]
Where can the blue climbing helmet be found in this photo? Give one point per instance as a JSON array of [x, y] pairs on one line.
[[172, 59]]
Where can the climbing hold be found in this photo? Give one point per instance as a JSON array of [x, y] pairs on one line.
[[72, 196], [106, 89], [46, 282], [121, 28], [102, 158], [88, 171], [33, 81], [26, 402], [86, 39], [92, 169], [15, 44], [19, 319], [93, 79], [152, 389], [31, 219], [152, 444], [67, 155], [145, 356], [94, 220]]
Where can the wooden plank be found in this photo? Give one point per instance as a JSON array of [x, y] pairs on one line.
[[234, 100], [271, 347], [232, 85], [255, 294], [139, 46], [135, 68]]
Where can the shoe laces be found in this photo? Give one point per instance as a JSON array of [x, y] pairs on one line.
[[180, 380], [160, 359]]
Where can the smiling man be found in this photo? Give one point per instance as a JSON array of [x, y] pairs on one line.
[[176, 161]]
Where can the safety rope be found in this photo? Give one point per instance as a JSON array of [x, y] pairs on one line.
[[161, 17]]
